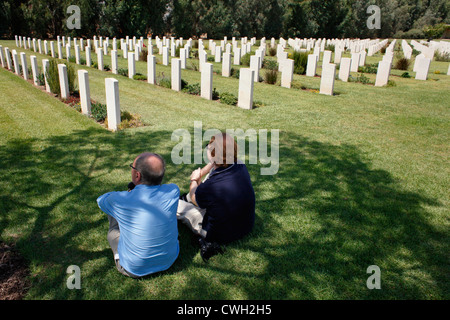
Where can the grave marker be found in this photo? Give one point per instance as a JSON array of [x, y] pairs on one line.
[[176, 74], [45, 65], [206, 81], [151, 63], [246, 83], [112, 101], [34, 69], [384, 68], [344, 69], [63, 81], [327, 79], [131, 65], [85, 93]]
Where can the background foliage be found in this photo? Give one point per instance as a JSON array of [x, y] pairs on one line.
[[219, 18]]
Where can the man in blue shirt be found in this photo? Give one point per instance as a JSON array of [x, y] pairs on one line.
[[143, 232]]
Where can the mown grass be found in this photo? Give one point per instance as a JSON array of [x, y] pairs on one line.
[[363, 180]]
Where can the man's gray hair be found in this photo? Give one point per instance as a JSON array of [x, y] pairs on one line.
[[150, 174]]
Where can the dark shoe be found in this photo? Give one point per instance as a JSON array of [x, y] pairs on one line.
[[209, 249], [184, 197]]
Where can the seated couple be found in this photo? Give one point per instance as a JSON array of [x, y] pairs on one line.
[[219, 208]]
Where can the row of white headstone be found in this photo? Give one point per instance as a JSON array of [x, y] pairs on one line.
[[111, 84], [286, 65]]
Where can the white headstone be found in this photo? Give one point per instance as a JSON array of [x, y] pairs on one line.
[[113, 102], [287, 73], [218, 54], [52, 48], [60, 56], [254, 65], [246, 83], [355, 62], [344, 69], [311, 66], [226, 65], [207, 81], [131, 65], [327, 79], [384, 68], [175, 74], [448, 71], [165, 56], [45, 65], [183, 58], [422, 69], [34, 69], [77, 54], [100, 59], [114, 64], [88, 56], [16, 62], [23, 57], [417, 61], [67, 52], [63, 81], [8, 59], [151, 70], [326, 57], [85, 93], [2, 57], [237, 56]]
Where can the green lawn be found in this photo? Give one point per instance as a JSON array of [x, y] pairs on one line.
[[363, 180]]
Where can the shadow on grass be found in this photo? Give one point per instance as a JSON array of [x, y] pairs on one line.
[[321, 221]]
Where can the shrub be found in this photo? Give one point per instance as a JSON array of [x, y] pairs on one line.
[[165, 82], [245, 59], [235, 73], [272, 51], [194, 89], [406, 75], [330, 47], [300, 62], [123, 72], [139, 76], [143, 55], [402, 64], [271, 76], [372, 68], [41, 79], [210, 58], [228, 98], [215, 94], [53, 76], [360, 78], [106, 67], [444, 56], [270, 64], [98, 111]]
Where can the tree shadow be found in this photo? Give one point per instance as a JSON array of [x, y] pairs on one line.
[[48, 199], [324, 219], [321, 221]]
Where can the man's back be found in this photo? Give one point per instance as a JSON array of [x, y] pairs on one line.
[[148, 226]]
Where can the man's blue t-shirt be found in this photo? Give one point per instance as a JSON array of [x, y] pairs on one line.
[[229, 200], [147, 218]]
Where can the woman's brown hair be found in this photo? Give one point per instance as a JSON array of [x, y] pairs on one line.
[[224, 150]]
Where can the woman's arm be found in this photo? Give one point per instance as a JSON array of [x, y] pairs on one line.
[[196, 180]]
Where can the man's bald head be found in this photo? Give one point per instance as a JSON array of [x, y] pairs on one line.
[[152, 168]]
